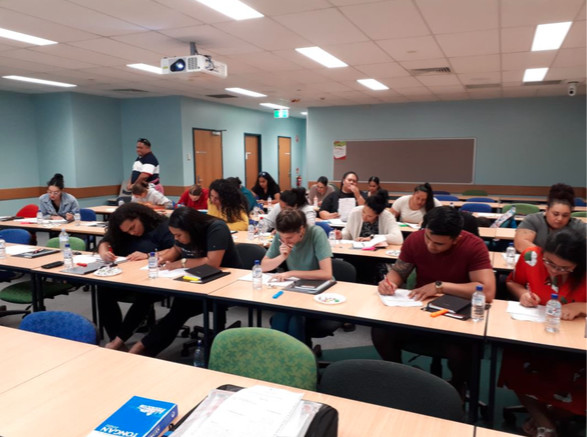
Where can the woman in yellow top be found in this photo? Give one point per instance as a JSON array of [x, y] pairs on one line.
[[227, 202]]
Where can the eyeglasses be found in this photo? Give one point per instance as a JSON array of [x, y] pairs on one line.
[[557, 268], [54, 193], [145, 141]]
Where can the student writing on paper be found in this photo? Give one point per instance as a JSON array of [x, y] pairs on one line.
[[143, 192], [57, 203], [266, 187], [348, 190], [199, 239], [228, 203], [447, 260], [413, 207], [291, 199], [306, 251], [548, 377], [194, 197], [134, 230]]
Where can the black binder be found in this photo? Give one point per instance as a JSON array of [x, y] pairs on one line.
[[310, 286], [454, 304]]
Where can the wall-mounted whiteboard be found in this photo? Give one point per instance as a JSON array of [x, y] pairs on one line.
[[447, 160]]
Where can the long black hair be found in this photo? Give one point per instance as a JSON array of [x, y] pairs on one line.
[[232, 201], [569, 244], [56, 181], [130, 211], [272, 186], [426, 188], [296, 197], [194, 223]]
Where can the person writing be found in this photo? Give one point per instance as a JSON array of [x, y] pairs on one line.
[[194, 197], [228, 203], [374, 186], [266, 188], [57, 203], [412, 208], [143, 193], [319, 191], [348, 190], [146, 166]]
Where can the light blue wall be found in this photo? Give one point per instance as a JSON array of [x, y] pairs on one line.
[[538, 141]]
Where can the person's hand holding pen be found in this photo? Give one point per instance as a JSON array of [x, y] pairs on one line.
[[529, 299], [386, 287], [106, 253]]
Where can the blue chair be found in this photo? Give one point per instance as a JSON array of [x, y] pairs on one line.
[[445, 197], [87, 215], [18, 236], [476, 207], [62, 324], [327, 228], [440, 192], [579, 202], [481, 199]]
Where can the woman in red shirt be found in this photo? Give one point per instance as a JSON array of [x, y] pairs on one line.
[[195, 197]]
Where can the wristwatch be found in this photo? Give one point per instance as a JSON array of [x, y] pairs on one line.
[[438, 286], [183, 260]]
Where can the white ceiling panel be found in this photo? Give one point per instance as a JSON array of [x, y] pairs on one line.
[[409, 49], [266, 34], [474, 64], [521, 61], [208, 38], [359, 53], [472, 15], [46, 59], [569, 58], [576, 35], [485, 42], [387, 69], [533, 12], [272, 7], [439, 80], [480, 79], [517, 39], [155, 42], [115, 48]]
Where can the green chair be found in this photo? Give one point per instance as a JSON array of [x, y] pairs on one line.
[[521, 208], [264, 354], [579, 214], [474, 193], [22, 292]]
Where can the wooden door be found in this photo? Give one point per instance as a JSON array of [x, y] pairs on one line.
[[207, 156], [252, 154], [284, 145]]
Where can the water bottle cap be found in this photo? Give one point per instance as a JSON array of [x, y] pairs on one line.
[[511, 245], [257, 261], [554, 296], [151, 253], [479, 288], [67, 245]]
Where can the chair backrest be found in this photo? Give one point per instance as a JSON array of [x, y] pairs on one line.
[[475, 193], [392, 385], [343, 270], [74, 242], [28, 211], [248, 253], [265, 354], [476, 207], [580, 202], [435, 192], [521, 208], [17, 236], [87, 215], [480, 199], [61, 324], [579, 214], [446, 197], [327, 228]]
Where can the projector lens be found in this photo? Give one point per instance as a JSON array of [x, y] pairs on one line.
[[178, 65]]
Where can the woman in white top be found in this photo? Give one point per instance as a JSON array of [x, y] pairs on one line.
[[291, 199], [413, 207], [143, 192], [372, 219]]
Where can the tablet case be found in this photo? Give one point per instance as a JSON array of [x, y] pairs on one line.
[[36, 254], [205, 272], [310, 286], [453, 304]]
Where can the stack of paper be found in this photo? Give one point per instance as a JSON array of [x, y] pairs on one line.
[[519, 312], [268, 280], [399, 299]]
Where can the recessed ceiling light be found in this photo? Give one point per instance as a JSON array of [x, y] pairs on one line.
[[146, 67], [245, 92], [23, 37], [534, 74], [373, 84], [322, 57], [40, 81], [274, 106], [234, 9], [550, 36]]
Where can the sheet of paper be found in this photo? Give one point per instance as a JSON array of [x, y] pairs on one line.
[[519, 312], [345, 206], [336, 223], [17, 250], [267, 279], [411, 225], [399, 299], [375, 241]]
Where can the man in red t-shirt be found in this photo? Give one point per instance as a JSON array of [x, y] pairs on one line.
[[448, 260]]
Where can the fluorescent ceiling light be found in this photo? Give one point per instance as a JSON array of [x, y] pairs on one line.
[[534, 74], [550, 36], [5, 33], [373, 84], [234, 9], [146, 67], [274, 106], [245, 92], [41, 81], [322, 57]]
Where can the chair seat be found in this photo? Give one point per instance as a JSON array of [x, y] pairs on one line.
[[22, 293]]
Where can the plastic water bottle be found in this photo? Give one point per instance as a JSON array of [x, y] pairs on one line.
[[332, 238], [262, 227], [63, 239], [553, 314], [510, 255], [2, 249], [251, 232], [478, 304], [269, 204], [39, 218], [77, 217], [67, 256], [257, 276], [200, 355], [153, 267]]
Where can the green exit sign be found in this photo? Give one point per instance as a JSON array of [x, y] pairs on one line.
[[281, 113]]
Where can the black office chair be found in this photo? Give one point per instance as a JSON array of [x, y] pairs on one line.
[[392, 385]]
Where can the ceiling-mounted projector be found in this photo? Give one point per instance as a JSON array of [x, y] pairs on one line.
[[194, 64]]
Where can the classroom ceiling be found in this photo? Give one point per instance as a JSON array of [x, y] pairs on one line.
[[484, 44]]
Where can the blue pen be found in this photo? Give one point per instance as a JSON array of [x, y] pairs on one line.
[[279, 293]]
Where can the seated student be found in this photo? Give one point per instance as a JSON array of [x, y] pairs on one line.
[[199, 239], [374, 187], [291, 199], [412, 208], [348, 190], [306, 251], [143, 193], [227, 203], [266, 187], [550, 384], [448, 260], [535, 228], [319, 191], [57, 203], [134, 230], [194, 197], [251, 201]]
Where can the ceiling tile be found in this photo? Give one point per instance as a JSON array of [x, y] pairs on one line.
[[474, 64], [533, 12], [265, 33], [408, 49], [472, 15], [521, 61], [439, 80], [387, 69], [485, 42], [210, 38]]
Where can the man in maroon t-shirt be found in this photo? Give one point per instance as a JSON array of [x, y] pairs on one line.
[[448, 260]]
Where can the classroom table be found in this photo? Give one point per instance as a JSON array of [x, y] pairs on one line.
[[85, 228], [75, 396]]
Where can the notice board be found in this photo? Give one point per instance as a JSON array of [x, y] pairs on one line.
[[446, 160]]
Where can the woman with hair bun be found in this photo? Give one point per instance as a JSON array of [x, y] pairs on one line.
[[413, 207], [291, 199], [57, 203]]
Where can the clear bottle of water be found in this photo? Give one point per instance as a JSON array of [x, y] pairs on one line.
[[553, 314], [2, 249], [251, 232], [63, 239], [510, 255], [120, 202], [262, 227], [269, 204], [257, 274], [478, 304], [67, 256], [153, 265], [200, 355], [40, 218], [332, 238], [77, 218]]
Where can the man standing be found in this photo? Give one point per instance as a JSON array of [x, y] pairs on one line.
[[448, 260], [145, 167]]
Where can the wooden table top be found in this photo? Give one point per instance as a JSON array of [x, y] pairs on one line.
[[71, 228]]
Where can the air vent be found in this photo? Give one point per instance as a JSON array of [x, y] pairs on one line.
[[433, 70], [129, 90], [482, 86], [221, 96], [543, 82]]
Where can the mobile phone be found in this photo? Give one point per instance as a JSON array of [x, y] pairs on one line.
[[52, 265]]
